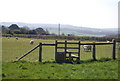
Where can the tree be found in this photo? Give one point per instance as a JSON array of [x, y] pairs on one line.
[[32, 32], [17, 32], [14, 27], [4, 29], [24, 30], [40, 31], [10, 32]]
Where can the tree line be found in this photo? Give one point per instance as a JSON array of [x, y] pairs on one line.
[[63, 37], [15, 29], [40, 33]]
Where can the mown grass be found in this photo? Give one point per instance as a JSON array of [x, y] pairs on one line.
[[102, 69], [12, 49]]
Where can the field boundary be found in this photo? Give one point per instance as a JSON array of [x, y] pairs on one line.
[[61, 56]]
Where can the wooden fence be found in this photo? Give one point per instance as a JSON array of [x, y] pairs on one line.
[[113, 43]]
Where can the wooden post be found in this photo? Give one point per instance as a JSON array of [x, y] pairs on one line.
[[70, 58], [40, 52], [94, 52], [113, 49], [79, 51], [65, 50], [56, 50]]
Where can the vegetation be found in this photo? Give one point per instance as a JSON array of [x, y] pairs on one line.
[[30, 68], [62, 37], [12, 49], [50, 70], [15, 29]]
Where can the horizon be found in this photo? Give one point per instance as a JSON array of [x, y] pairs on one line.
[[85, 13], [48, 24]]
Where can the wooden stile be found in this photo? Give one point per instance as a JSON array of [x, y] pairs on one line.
[[61, 56]]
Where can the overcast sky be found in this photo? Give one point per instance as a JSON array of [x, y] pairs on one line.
[[86, 13]]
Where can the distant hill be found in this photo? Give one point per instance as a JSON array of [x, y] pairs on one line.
[[68, 29]]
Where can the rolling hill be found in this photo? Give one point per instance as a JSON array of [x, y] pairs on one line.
[[68, 29]]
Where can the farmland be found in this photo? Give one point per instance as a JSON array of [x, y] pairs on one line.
[[12, 49]]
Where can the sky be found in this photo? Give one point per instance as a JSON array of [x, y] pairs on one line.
[[85, 13]]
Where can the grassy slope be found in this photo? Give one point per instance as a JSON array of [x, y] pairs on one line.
[[49, 70]]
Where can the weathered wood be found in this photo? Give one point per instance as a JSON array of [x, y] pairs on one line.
[[28, 52], [113, 49], [67, 47], [95, 43], [85, 43], [40, 52], [68, 52], [70, 58], [94, 52], [48, 44], [67, 42], [56, 50], [79, 51]]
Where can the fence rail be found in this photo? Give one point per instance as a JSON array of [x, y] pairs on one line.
[[48, 44], [95, 43]]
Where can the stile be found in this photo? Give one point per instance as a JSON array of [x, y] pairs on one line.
[[59, 55]]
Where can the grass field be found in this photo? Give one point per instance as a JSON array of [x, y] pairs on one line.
[[29, 68], [50, 70], [12, 49]]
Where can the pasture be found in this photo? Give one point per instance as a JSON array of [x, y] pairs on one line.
[[12, 49], [50, 70], [30, 68]]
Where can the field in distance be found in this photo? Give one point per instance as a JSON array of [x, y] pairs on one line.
[[12, 49]]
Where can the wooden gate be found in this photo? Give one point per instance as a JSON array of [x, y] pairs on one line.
[[66, 55]]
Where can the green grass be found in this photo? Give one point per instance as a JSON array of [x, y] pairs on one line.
[[49, 70], [30, 68], [12, 49]]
